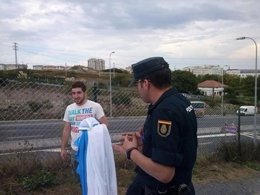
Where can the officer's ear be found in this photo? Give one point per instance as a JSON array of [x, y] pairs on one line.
[[146, 83]]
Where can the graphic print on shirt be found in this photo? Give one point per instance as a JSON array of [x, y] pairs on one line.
[[78, 115]]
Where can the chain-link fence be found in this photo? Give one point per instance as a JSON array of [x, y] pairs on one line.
[[31, 117]]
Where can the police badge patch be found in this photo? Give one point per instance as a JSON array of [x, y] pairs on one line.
[[164, 128]]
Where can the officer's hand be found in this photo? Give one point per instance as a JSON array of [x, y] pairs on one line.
[[127, 141], [130, 141], [118, 147]]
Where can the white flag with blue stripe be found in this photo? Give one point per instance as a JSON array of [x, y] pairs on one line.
[[96, 166]]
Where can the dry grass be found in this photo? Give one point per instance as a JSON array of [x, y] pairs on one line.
[[207, 169], [226, 164], [203, 173]]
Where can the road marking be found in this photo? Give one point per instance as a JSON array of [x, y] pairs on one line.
[[216, 135], [32, 151], [52, 150], [30, 124], [250, 135], [39, 141], [205, 143], [24, 137]]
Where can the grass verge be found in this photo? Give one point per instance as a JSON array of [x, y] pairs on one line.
[[27, 174]]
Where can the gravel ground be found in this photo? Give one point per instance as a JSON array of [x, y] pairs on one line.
[[248, 186]]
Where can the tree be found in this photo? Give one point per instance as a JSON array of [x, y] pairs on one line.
[[214, 77], [247, 86], [231, 80], [121, 80], [184, 81]]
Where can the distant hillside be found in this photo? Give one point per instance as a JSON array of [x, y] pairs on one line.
[[75, 73]]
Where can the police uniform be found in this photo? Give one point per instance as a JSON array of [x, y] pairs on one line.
[[169, 138]]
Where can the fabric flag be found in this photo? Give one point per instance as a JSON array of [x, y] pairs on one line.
[[95, 156]]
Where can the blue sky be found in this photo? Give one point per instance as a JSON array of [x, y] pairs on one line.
[[185, 33]]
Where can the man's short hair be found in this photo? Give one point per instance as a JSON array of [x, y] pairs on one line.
[[79, 84], [154, 69]]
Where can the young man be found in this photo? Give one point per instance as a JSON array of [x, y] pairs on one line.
[[169, 136], [76, 112]]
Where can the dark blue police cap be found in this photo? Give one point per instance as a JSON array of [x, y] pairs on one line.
[[148, 66]]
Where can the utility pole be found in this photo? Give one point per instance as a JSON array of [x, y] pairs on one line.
[[110, 85], [65, 70], [15, 50]]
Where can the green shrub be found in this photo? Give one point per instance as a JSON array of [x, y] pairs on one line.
[[230, 152], [34, 106], [42, 178]]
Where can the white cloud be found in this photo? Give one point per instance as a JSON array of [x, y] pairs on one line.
[[184, 32]]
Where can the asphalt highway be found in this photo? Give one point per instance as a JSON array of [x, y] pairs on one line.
[[42, 129]]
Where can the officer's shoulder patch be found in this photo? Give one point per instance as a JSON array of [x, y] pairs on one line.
[[164, 128]]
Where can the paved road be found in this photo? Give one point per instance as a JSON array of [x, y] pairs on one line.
[[41, 129], [207, 143], [44, 134]]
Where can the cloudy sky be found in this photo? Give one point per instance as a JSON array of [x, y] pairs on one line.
[[184, 32]]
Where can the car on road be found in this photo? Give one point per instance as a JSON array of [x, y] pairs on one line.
[[199, 108], [246, 110]]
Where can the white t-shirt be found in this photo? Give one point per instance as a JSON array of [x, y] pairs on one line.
[[74, 114]]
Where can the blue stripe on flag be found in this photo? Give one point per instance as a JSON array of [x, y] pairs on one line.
[[82, 166]]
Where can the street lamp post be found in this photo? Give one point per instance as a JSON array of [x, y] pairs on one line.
[[242, 38], [114, 70], [110, 86], [222, 94]]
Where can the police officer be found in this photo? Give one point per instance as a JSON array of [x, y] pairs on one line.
[[169, 136]]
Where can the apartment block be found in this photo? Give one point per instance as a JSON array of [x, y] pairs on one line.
[[96, 64]]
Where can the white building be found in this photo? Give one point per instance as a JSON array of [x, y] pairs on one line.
[[2, 66], [12, 66], [48, 67], [203, 70], [37, 67], [211, 88], [96, 64], [242, 72], [217, 70], [129, 69]]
